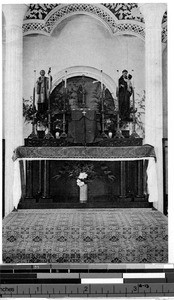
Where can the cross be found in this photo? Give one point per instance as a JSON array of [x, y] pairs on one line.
[[84, 112]]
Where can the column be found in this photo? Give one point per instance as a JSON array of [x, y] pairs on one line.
[[140, 180], [13, 106], [40, 177], [29, 179], [153, 13], [46, 182], [122, 179]]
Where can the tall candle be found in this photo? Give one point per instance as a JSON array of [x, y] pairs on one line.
[[133, 94], [133, 97], [118, 78], [133, 80], [65, 79], [50, 79], [34, 88], [118, 87], [101, 80]]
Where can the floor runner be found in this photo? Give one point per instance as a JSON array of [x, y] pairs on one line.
[[85, 236]]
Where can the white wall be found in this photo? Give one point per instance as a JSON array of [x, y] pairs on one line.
[[82, 41]]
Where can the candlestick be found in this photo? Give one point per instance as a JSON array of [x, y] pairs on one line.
[[133, 98], [49, 135], [103, 134], [101, 80], [118, 133], [65, 79], [117, 87], [50, 79], [34, 88], [133, 93]]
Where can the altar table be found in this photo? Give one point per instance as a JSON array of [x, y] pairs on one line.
[[138, 153]]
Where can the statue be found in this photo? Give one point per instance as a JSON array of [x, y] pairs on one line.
[[42, 90], [80, 95], [125, 91]]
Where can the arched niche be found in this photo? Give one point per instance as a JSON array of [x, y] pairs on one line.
[[88, 72], [82, 91]]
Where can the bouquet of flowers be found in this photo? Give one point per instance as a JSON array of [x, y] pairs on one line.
[[81, 180]]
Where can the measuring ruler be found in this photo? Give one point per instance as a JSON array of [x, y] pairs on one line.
[[62, 280]]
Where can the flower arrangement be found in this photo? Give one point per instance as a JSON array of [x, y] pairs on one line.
[[139, 116], [81, 180], [31, 114], [85, 172], [29, 111]]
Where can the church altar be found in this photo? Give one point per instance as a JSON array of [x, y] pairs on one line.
[[87, 126], [24, 158]]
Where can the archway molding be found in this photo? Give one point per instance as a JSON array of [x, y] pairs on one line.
[[98, 11], [88, 72]]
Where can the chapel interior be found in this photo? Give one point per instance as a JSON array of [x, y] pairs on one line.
[[74, 118]]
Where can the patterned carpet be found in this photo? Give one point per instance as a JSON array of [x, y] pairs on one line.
[[85, 236]]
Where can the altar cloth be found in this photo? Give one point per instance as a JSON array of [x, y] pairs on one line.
[[85, 153]]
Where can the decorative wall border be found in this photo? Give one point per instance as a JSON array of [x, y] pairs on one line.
[[164, 33], [98, 11]]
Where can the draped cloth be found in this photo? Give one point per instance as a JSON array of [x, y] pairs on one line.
[[17, 188], [83, 126], [152, 181]]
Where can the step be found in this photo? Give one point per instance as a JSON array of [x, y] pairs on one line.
[[96, 204]]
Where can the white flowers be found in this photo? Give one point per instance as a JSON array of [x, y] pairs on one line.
[[83, 175], [80, 179]]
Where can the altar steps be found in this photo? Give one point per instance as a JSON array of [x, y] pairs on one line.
[[94, 204]]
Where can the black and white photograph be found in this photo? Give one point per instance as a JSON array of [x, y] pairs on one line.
[[85, 133]]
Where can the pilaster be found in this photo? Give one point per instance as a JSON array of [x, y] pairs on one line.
[[13, 104], [153, 13]]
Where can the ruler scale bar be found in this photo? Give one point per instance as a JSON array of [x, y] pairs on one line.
[[84, 280], [80, 289]]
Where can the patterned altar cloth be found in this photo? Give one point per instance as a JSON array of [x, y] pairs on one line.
[[85, 236], [87, 153]]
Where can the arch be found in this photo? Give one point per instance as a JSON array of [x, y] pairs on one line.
[[98, 11], [86, 71]]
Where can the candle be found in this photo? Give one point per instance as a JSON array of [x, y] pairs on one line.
[[117, 88], [118, 78], [65, 79], [132, 80], [57, 135], [133, 98], [34, 88], [133, 95], [50, 79], [110, 134], [101, 79]]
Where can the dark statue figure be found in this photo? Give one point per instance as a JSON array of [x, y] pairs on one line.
[[125, 91], [80, 95], [42, 91]]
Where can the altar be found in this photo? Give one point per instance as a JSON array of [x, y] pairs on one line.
[[131, 168], [83, 132]]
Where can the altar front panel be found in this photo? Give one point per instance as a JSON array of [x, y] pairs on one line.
[[66, 189]]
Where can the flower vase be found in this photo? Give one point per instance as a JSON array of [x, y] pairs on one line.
[[83, 193]]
